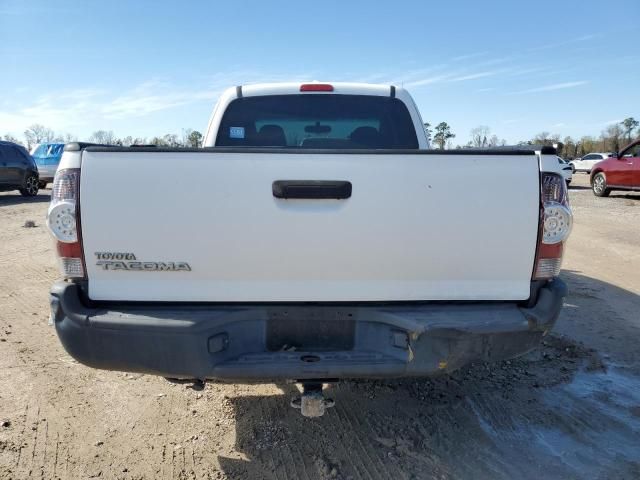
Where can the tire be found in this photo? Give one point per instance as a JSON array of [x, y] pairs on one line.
[[42, 184], [599, 185], [30, 186], [573, 168]]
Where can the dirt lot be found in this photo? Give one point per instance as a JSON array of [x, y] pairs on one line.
[[568, 410]]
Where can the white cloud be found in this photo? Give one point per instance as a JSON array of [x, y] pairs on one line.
[[452, 77], [420, 76], [580, 39], [469, 56], [64, 110], [525, 71], [427, 80], [151, 97], [496, 61], [87, 109], [473, 76], [552, 87]]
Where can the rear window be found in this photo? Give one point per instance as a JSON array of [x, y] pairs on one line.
[[317, 121]]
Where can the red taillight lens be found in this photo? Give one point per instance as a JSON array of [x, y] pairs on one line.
[[316, 87], [549, 261], [63, 220], [556, 221]]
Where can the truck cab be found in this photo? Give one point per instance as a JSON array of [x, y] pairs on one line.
[[344, 116]]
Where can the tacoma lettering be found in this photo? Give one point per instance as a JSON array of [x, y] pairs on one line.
[[144, 266]]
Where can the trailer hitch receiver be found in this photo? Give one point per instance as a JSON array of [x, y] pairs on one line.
[[312, 402]]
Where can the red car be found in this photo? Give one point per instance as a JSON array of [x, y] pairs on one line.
[[620, 172]]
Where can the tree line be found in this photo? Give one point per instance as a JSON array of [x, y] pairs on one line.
[[611, 139], [40, 134]]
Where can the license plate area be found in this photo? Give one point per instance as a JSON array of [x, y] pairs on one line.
[[310, 330]]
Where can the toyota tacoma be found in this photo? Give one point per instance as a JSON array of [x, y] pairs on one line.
[[315, 237]]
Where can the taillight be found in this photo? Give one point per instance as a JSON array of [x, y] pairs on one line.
[[316, 87], [556, 221], [63, 220]]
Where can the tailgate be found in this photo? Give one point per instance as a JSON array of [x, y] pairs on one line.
[[206, 226]]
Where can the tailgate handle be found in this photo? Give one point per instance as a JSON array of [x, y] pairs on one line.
[[316, 189]]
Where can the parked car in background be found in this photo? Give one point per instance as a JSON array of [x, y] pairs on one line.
[[565, 169], [47, 157], [586, 163], [18, 171], [619, 172], [556, 164]]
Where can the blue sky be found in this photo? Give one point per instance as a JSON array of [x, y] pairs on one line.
[[145, 68]]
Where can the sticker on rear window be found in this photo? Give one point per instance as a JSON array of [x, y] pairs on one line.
[[236, 132]]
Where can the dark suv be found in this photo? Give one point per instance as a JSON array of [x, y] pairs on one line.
[[18, 170]]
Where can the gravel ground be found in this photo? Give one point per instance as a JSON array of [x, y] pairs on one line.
[[570, 409]]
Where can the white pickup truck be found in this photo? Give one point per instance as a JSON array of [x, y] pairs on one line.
[[315, 237]]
